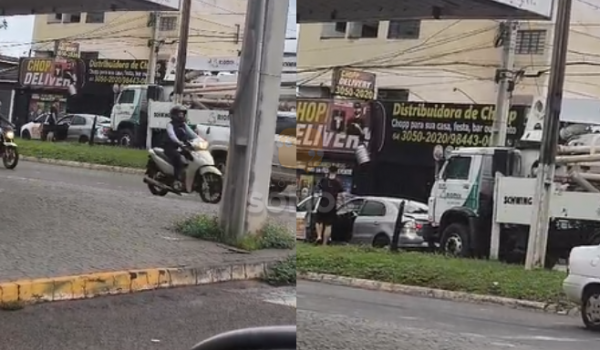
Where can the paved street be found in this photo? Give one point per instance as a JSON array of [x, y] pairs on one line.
[[332, 317], [61, 221], [173, 319]]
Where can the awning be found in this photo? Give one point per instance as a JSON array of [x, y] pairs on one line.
[[313, 11], [33, 7]]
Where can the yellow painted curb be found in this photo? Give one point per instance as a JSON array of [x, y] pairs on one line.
[[124, 282]]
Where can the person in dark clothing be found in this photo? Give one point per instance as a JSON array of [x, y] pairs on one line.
[[330, 188], [50, 123], [178, 132]]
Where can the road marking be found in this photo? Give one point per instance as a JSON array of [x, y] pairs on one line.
[[288, 301], [543, 338]]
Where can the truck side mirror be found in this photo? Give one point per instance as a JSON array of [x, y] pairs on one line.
[[208, 130]]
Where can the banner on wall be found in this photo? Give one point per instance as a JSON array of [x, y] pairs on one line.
[[330, 126], [421, 132], [353, 84], [66, 74]]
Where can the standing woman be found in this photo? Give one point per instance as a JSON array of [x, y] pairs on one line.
[[330, 188]]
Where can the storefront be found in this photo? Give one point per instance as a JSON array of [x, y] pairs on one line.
[[81, 86], [417, 136]]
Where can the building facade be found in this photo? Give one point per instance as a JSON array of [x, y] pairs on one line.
[[449, 60], [215, 30]]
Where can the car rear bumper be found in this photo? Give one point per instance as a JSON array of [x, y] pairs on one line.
[[573, 287]]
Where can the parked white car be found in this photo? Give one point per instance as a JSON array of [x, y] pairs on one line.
[[582, 285]]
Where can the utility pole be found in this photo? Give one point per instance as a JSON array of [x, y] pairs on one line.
[[154, 47], [250, 156], [538, 233], [184, 31], [504, 77]]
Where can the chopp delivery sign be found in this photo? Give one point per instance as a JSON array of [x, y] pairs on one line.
[[48, 73]]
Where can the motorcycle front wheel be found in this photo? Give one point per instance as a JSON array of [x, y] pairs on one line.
[[10, 158], [211, 188]]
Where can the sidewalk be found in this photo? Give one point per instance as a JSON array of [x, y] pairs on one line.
[[60, 224]]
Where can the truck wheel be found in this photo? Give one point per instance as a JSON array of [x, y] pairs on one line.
[[590, 308], [125, 138], [455, 240]]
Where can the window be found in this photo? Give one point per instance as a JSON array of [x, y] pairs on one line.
[[89, 55], [404, 29], [77, 120], [127, 96], [336, 30], [54, 18], [65, 120], [41, 118], [353, 205], [44, 54], [303, 206], [457, 168], [531, 42], [167, 23], [373, 208], [286, 125], [72, 18], [393, 94], [364, 30], [94, 17]]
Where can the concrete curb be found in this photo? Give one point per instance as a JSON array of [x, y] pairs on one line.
[[90, 166], [437, 293], [125, 282]]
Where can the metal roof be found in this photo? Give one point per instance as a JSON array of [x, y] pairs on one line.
[[314, 11], [34, 7]]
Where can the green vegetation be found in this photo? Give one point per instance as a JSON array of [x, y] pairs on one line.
[[206, 227], [433, 271], [282, 273], [76, 152]]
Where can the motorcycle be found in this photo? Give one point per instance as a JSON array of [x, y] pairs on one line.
[[199, 174], [8, 148]]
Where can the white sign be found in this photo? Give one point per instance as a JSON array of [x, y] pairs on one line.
[[540, 7], [158, 115], [173, 4]]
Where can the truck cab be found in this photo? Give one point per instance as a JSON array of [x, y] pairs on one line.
[[461, 200]]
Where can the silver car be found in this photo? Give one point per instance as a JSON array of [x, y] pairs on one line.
[[371, 221], [78, 127]]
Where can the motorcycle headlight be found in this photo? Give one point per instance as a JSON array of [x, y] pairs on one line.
[[200, 145], [10, 135]]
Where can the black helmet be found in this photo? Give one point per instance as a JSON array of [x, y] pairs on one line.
[[178, 113]]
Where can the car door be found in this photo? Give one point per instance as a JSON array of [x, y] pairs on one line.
[[62, 128], [79, 126], [342, 229], [367, 223], [302, 219], [35, 130]]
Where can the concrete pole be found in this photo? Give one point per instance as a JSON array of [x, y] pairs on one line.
[[151, 75], [538, 233], [252, 140], [184, 30], [500, 126]]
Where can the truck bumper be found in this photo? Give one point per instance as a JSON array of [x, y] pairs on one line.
[[430, 233]]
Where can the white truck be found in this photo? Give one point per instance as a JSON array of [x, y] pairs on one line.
[[283, 170], [478, 188]]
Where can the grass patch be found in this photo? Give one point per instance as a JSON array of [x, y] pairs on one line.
[[76, 152], [282, 273], [206, 227], [433, 271]]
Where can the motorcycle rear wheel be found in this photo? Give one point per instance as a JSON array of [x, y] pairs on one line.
[[153, 173]]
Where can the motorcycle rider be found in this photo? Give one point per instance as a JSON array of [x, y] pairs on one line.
[[178, 132]]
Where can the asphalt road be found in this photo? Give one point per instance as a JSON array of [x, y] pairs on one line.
[[62, 221], [174, 319], [332, 317]]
